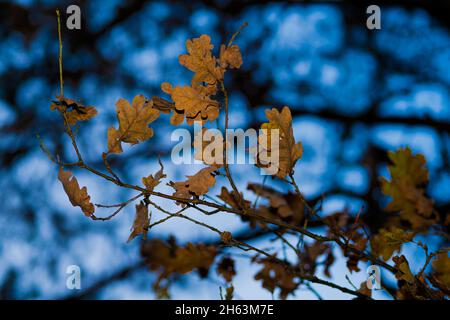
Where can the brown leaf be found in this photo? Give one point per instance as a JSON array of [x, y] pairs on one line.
[[232, 199], [141, 222], [133, 123], [201, 61], [364, 289], [287, 207], [226, 268], [194, 103], [151, 181], [386, 242], [441, 268], [74, 111], [310, 254], [78, 197], [170, 260], [195, 185], [408, 175], [275, 275], [208, 147], [289, 151], [402, 264], [230, 57]]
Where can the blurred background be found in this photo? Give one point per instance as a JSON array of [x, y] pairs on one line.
[[355, 93]]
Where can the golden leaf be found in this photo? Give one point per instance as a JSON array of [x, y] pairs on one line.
[[195, 185], [151, 181], [73, 110], [441, 268], [408, 174], [133, 123], [192, 103], [289, 151], [386, 242], [201, 61], [77, 196], [230, 57], [141, 222]]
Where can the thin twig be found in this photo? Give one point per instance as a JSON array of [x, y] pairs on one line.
[[61, 80]]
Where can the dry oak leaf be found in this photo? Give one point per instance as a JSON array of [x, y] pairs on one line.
[[274, 275], [441, 268], [133, 123], [201, 61], [77, 196], [208, 147], [232, 199], [410, 286], [309, 256], [195, 185], [408, 175], [386, 242], [289, 151], [288, 206], [141, 222], [285, 206], [402, 264], [73, 110], [169, 259], [192, 103], [230, 57], [151, 181], [226, 268]]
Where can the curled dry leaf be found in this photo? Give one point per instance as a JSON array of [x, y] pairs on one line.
[[74, 111], [151, 181], [141, 222], [230, 57], [408, 175], [195, 185], [77, 196], [192, 103], [133, 123], [289, 151]]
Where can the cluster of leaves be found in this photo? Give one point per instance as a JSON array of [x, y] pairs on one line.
[[410, 211]]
